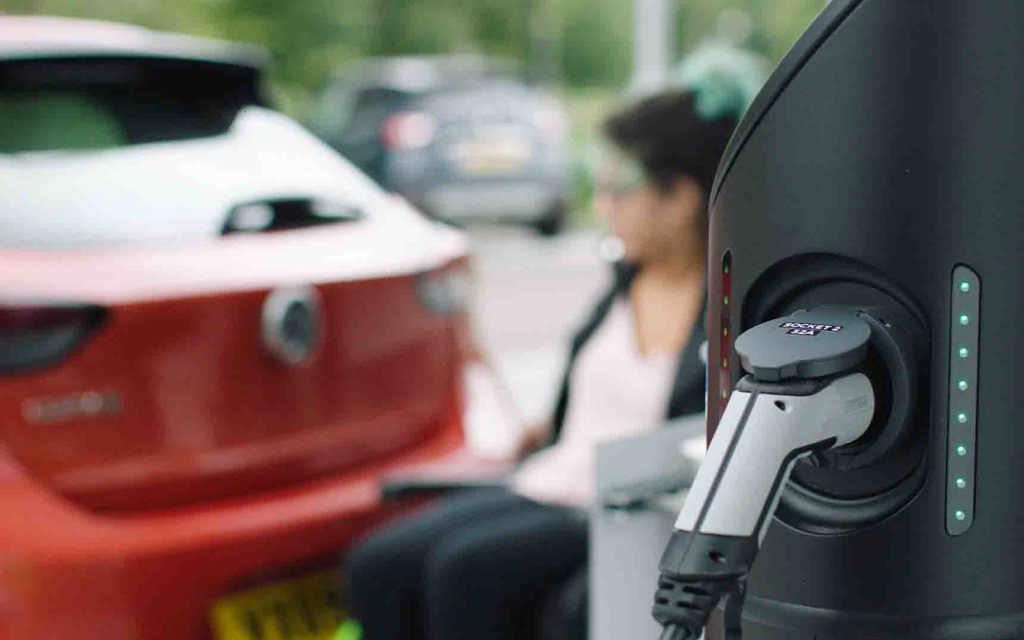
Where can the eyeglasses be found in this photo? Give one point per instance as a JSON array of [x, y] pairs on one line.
[[618, 176]]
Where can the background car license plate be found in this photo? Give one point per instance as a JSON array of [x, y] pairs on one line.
[[304, 608], [492, 156]]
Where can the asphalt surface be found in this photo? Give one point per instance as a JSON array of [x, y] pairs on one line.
[[531, 293]]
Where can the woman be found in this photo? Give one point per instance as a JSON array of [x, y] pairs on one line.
[[477, 565]]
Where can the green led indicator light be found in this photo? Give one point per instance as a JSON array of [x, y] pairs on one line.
[[964, 352], [725, 269], [725, 299], [961, 450], [962, 385], [964, 320], [960, 515], [965, 286], [961, 418], [725, 331], [960, 483]]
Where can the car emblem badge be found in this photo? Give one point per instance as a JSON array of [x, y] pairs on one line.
[[292, 323]]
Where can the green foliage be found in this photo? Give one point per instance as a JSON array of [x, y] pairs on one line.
[[776, 24], [596, 41], [780, 23], [589, 41], [446, 26], [306, 39]]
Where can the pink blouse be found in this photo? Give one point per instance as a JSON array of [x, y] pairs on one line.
[[616, 392]]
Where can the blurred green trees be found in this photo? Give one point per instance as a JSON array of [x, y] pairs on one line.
[[580, 42]]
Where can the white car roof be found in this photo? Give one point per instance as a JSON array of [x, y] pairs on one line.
[[27, 37]]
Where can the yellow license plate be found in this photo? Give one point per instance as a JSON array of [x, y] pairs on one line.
[[493, 157], [481, 165], [304, 608]]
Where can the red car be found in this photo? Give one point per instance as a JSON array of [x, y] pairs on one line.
[[216, 337]]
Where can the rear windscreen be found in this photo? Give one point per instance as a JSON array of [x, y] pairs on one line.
[[487, 101], [90, 104]]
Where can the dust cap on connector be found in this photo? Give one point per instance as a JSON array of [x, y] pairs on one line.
[[807, 344]]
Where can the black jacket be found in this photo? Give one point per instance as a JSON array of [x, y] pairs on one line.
[[689, 386]]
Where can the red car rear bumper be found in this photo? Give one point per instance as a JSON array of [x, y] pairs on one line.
[[69, 574]]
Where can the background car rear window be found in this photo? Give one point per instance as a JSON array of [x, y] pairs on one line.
[[371, 108]]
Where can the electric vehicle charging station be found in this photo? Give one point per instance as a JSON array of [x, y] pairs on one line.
[[879, 176]]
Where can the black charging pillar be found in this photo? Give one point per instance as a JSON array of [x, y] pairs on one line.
[[883, 168]]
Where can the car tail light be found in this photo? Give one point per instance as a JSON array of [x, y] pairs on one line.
[[408, 130], [35, 335], [446, 291]]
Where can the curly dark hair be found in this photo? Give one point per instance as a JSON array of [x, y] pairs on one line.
[[669, 138]]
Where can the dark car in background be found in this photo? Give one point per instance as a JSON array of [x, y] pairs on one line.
[[458, 136]]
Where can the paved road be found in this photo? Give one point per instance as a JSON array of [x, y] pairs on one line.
[[531, 292]]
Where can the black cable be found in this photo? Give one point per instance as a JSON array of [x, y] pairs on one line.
[[682, 604], [698, 573], [733, 618]]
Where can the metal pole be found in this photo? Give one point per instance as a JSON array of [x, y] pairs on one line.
[[653, 44], [541, 47]]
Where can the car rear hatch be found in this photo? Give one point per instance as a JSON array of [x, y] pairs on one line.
[[486, 132], [481, 131], [496, 149], [148, 377]]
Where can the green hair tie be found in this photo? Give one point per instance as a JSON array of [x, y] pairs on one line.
[[724, 80]]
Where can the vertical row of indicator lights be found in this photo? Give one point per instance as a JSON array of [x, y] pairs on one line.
[[963, 399], [725, 340]]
